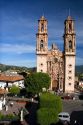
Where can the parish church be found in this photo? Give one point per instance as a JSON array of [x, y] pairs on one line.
[[59, 65]]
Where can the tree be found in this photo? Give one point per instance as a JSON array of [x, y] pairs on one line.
[[14, 90], [49, 107], [36, 81]]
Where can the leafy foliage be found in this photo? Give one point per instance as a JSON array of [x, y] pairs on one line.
[[8, 117], [47, 116], [4, 67], [50, 106], [50, 100], [14, 90], [36, 81]]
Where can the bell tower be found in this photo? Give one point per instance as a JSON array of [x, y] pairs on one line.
[[69, 55], [42, 45]]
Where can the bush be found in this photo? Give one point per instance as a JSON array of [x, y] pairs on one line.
[[48, 100], [8, 117], [50, 106], [14, 90], [46, 116], [11, 117], [1, 116]]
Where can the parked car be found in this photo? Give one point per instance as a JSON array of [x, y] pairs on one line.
[[64, 116], [68, 97]]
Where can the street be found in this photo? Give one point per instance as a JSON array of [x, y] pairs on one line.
[[75, 109], [72, 105]]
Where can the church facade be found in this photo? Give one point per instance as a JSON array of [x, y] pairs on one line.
[[59, 65]]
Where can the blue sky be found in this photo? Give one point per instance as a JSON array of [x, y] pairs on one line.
[[18, 28]]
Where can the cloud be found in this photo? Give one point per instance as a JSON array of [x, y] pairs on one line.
[[17, 48]]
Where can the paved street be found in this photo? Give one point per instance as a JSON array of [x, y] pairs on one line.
[[72, 105], [75, 109]]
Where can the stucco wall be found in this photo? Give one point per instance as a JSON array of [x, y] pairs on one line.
[[41, 63], [69, 73]]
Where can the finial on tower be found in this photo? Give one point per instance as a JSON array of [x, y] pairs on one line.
[[69, 17], [43, 14]]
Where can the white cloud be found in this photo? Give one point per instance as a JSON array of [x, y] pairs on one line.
[[17, 48]]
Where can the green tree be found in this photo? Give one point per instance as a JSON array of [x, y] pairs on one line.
[[14, 90], [36, 81], [49, 107]]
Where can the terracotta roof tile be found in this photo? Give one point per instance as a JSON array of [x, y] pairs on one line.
[[10, 78]]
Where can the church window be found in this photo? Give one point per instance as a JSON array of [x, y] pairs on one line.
[[70, 65], [70, 44], [70, 27], [69, 83], [69, 71], [42, 27], [41, 44], [69, 77], [41, 64]]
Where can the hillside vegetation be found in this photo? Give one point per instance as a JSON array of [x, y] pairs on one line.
[[3, 67]]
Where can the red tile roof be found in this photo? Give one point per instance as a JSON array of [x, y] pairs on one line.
[[11, 78]]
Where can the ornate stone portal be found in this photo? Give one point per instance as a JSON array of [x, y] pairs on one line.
[[53, 61]]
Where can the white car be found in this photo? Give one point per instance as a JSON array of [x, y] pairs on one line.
[[64, 116]]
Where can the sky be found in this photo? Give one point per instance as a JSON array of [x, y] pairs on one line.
[[19, 25]]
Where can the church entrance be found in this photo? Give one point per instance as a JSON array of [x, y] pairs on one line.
[[54, 85]]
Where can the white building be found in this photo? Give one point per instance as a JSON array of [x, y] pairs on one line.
[[7, 80]]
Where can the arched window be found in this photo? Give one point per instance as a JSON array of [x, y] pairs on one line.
[[70, 44], [42, 27], [70, 27], [41, 44]]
